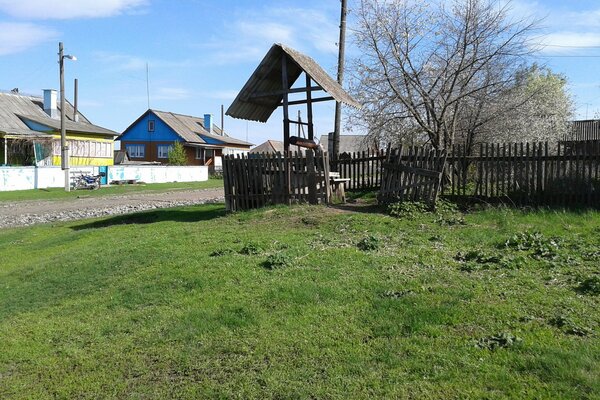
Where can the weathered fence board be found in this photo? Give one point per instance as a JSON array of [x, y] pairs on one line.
[[412, 174], [362, 168], [527, 173], [258, 180]]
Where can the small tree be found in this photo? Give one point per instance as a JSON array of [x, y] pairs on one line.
[[177, 154]]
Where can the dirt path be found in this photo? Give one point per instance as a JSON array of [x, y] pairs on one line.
[[23, 213]]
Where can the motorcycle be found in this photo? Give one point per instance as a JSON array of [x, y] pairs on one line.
[[90, 182]]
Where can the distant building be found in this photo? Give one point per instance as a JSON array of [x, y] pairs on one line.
[[349, 143], [584, 130], [151, 136], [30, 133], [273, 147]]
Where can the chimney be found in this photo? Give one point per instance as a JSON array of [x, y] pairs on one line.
[[208, 122], [50, 100]]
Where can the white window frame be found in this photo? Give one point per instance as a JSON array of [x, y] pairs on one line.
[[136, 150], [160, 150], [151, 125], [206, 153]]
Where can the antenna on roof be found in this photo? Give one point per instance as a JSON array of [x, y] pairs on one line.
[[148, 85]]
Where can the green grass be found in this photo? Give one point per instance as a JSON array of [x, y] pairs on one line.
[[60, 194], [283, 303]]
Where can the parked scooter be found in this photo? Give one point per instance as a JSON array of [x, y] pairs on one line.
[[90, 182]]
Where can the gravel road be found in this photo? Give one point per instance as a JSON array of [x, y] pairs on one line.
[[24, 213]]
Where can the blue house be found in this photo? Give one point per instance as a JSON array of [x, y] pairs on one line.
[[152, 135]]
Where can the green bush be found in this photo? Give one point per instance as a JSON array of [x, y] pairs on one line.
[[177, 155]]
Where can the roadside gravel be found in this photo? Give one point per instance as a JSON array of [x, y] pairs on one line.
[[25, 213]]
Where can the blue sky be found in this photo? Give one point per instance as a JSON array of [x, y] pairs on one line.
[[201, 52]]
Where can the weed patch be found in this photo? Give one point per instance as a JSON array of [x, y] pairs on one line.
[[568, 326], [369, 243], [221, 252], [502, 340], [589, 286], [277, 261], [536, 244], [251, 249]]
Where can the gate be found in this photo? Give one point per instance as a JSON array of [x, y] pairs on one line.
[[412, 174]]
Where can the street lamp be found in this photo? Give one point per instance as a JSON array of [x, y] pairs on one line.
[[64, 155]]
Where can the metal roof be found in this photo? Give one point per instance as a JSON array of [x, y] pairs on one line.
[[274, 146], [70, 126], [15, 133], [191, 129], [270, 146], [267, 78], [13, 107], [350, 143]]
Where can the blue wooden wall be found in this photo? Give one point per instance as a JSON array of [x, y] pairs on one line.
[[139, 131]]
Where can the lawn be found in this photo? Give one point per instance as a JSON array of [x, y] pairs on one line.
[[60, 194], [303, 302]]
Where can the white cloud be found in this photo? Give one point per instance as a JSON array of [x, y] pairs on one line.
[[68, 9], [565, 42], [247, 37], [129, 63], [17, 37], [170, 93], [225, 95]]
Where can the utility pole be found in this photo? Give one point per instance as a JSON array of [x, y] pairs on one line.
[[335, 147], [64, 156]]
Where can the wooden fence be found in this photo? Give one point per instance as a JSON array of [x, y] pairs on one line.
[[412, 174], [258, 180], [562, 173], [527, 173], [362, 168]]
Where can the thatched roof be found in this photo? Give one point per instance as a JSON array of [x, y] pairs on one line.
[[267, 78]]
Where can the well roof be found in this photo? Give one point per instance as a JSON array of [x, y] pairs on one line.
[[267, 78]]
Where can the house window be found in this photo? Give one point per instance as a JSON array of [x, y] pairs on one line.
[[204, 154], [150, 125], [163, 150], [136, 150]]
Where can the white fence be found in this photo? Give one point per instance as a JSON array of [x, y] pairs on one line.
[[24, 178]]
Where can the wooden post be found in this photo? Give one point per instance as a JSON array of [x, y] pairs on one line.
[[286, 116], [309, 109], [312, 179]]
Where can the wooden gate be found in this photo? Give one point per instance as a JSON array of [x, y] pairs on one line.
[[259, 180], [412, 174]]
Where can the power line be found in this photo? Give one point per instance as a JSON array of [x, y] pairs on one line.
[[568, 46], [570, 56]]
